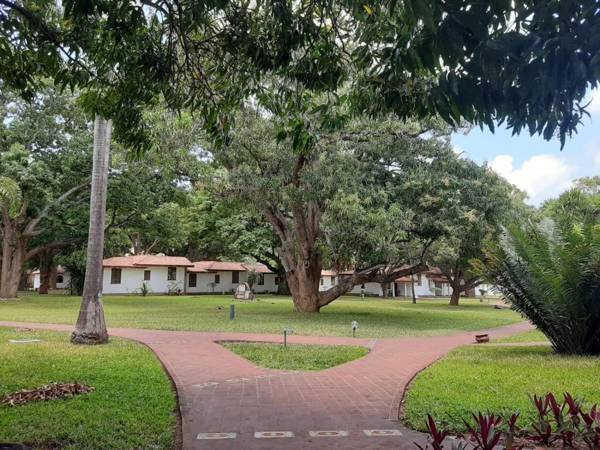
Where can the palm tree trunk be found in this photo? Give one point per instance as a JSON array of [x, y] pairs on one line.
[[91, 326]]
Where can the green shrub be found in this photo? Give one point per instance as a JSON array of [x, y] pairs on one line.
[[550, 272]]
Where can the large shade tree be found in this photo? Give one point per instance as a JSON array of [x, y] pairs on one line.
[[488, 202], [370, 198], [44, 165]]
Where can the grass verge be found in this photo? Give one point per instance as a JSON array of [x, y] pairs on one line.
[[527, 336], [498, 380], [296, 356], [132, 406], [377, 317]]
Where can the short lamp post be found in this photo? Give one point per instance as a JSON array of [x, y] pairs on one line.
[[354, 328], [286, 331]]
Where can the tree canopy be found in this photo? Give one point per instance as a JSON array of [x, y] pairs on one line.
[[528, 63]]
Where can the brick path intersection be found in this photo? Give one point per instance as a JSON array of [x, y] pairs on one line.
[[229, 403]]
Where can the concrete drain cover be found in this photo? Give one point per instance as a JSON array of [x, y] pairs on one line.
[[23, 341]]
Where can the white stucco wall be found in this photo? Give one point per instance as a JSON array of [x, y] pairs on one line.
[[37, 281], [422, 288], [327, 282], [132, 280], [226, 285]]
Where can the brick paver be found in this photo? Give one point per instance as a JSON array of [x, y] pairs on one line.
[[220, 392]]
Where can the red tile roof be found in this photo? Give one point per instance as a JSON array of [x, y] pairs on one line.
[[227, 266], [139, 261]]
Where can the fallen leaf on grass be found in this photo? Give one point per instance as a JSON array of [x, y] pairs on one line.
[[50, 391]]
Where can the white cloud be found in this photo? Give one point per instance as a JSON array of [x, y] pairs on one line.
[[594, 107], [593, 151], [541, 176]]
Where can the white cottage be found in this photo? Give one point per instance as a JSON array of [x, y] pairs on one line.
[[63, 278], [427, 284], [221, 277], [160, 274]]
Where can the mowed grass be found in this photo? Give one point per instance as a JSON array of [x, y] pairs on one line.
[[527, 336], [132, 407], [269, 314], [499, 380], [296, 356]]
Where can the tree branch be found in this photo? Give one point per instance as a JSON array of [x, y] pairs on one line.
[[30, 228]]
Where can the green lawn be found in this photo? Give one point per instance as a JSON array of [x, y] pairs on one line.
[[132, 407], [377, 318], [499, 380], [295, 356], [528, 336]]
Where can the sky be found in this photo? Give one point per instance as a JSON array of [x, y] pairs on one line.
[[534, 165]]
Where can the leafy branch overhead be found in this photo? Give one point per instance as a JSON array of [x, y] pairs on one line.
[[525, 63]]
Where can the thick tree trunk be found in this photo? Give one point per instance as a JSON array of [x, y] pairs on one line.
[[13, 258], [45, 272], [455, 297], [12, 268], [53, 275], [385, 287], [91, 326], [282, 287], [304, 286]]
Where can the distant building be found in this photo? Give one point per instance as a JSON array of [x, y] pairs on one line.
[[176, 274], [63, 278], [430, 283], [225, 277]]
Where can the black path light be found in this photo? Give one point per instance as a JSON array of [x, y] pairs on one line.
[[231, 311], [354, 328], [287, 331]]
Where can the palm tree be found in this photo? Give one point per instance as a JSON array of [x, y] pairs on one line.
[[550, 272], [91, 326]]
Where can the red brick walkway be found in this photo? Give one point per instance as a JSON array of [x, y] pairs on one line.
[[220, 392]]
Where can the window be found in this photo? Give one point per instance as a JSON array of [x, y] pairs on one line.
[[171, 273], [235, 277], [217, 278], [419, 281], [332, 281], [147, 275], [115, 276], [261, 279], [322, 281], [59, 279], [276, 281], [193, 280]]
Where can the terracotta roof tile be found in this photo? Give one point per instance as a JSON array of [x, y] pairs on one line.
[[227, 266], [138, 261]]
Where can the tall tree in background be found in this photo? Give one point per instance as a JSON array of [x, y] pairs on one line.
[[487, 202], [44, 152], [366, 198]]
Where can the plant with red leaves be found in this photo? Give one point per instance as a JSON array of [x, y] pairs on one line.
[[566, 422], [512, 432], [485, 435], [591, 432], [437, 437]]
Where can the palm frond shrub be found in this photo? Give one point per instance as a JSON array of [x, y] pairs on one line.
[[550, 272]]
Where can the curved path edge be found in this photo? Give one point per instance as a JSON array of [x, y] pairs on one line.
[[224, 399]]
